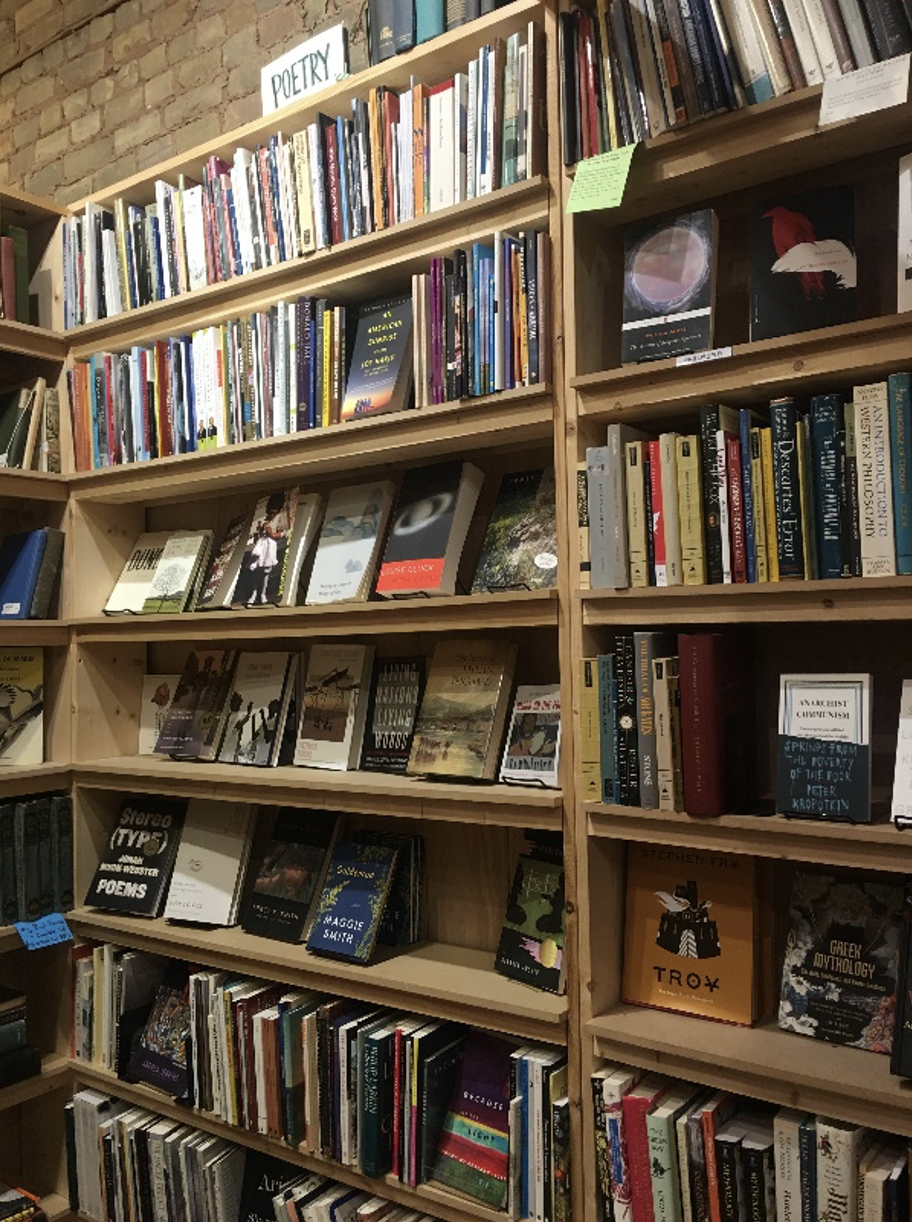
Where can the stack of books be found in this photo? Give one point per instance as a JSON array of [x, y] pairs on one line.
[[18, 1059], [30, 427]]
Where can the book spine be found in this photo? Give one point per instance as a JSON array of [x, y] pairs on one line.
[[748, 496], [723, 480], [637, 520], [826, 444], [656, 515], [690, 511], [769, 503], [606, 688], [703, 782], [784, 427], [899, 389], [807, 1162], [666, 1186], [737, 510], [875, 493], [806, 490], [668, 458], [804, 41], [709, 424], [590, 765], [758, 494], [889, 28], [788, 1167], [582, 527], [635, 1110], [644, 646], [727, 1156], [837, 1171]]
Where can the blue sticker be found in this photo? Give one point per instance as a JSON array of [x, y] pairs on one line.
[[46, 931]]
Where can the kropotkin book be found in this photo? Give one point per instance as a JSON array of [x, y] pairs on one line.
[[520, 544], [136, 864], [397, 686], [532, 940], [351, 904], [841, 959], [380, 377]]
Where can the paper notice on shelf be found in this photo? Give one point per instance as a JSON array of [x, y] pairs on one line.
[[600, 181], [46, 931], [699, 358], [876, 87]]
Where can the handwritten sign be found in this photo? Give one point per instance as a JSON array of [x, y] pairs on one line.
[[864, 91], [823, 779], [46, 931], [600, 180], [699, 358], [312, 65]]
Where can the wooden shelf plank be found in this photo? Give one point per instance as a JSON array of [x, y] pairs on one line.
[[879, 846], [25, 340], [32, 485], [374, 263], [22, 208], [443, 1204], [854, 598], [34, 632], [762, 1062], [38, 779], [468, 613], [494, 421], [55, 1074], [444, 981], [57, 1207], [321, 789], [828, 358]]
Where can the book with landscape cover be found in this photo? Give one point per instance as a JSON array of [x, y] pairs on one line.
[[196, 715], [531, 946], [350, 907], [21, 707], [160, 1054], [520, 544], [136, 864], [397, 686], [289, 877], [669, 286], [429, 527], [157, 691], [211, 862], [135, 581], [803, 262], [841, 958], [334, 699], [218, 586], [260, 579], [380, 376], [690, 932], [350, 539], [178, 572], [462, 717], [257, 708]]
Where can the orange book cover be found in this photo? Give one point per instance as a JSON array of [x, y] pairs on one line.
[[689, 942], [418, 146]]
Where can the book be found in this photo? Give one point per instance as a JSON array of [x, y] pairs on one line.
[[463, 713], [716, 716], [135, 867], [690, 932], [160, 1055], [874, 472], [21, 707], [350, 906], [257, 707], [381, 373], [901, 806], [135, 581], [29, 564], [532, 748], [333, 702], [177, 573], [397, 688], [520, 543], [428, 530], [195, 718], [282, 896], [669, 286], [531, 947], [841, 957], [217, 590], [350, 539], [211, 862], [157, 691], [260, 579]]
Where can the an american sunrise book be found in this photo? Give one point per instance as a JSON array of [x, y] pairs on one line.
[[380, 377]]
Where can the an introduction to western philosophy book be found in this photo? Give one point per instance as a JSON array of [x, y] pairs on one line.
[[841, 958], [397, 686], [380, 376], [669, 286], [136, 864], [690, 932], [351, 904], [21, 707], [532, 939], [334, 699], [532, 750], [461, 722], [520, 543], [350, 539], [196, 715], [289, 877]]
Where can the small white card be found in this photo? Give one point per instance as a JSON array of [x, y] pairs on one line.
[[864, 91], [698, 358]]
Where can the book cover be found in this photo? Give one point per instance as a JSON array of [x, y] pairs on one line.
[[532, 749], [350, 907], [461, 721], [210, 864], [21, 707], [350, 540], [397, 687], [669, 287], [841, 958], [402, 916], [136, 863], [334, 700], [380, 376], [257, 708], [875, 480], [690, 932], [157, 691], [716, 713], [803, 262], [261, 573], [20, 563], [195, 717], [531, 947], [135, 581], [217, 590], [177, 572], [290, 874], [520, 544]]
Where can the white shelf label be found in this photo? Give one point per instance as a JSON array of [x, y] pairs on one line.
[[865, 90], [698, 358]]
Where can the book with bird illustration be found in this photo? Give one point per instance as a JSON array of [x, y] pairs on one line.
[[21, 707], [334, 699], [803, 262], [690, 932]]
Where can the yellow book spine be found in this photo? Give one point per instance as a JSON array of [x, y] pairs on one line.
[[756, 469], [232, 1087], [636, 515], [808, 537], [690, 510], [590, 758], [582, 518], [769, 504]]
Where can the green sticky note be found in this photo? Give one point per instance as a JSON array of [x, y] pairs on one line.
[[600, 180]]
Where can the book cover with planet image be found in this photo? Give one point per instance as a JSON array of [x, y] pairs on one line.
[[669, 287]]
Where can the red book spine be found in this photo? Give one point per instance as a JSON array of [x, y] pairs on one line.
[[634, 1109], [163, 378], [8, 278], [701, 728], [657, 525], [332, 173], [736, 508], [709, 1119], [397, 1101], [272, 237], [591, 89], [212, 276]]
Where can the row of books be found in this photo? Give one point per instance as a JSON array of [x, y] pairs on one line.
[[262, 556], [29, 570], [374, 1089], [22, 706], [14, 273], [666, 1148], [639, 67], [819, 493], [474, 324], [19, 1205], [30, 427], [396, 156], [125, 1163], [18, 1058], [36, 857], [396, 26]]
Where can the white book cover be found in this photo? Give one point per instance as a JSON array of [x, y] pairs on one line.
[[662, 1137], [113, 301], [352, 533], [137, 575], [674, 569], [334, 705], [194, 231], [177, 572], [472, 132], [460, 136], [21, 707], [829, 707], [839, 1147], [441, 140], [163, 193], [239, 178], [256, 708], [211, 858], [157, 691], [303, 190], [823, 39], [321, 230], [804, 41], [875, 483], [532, 750], [904, 243], [901, 808]]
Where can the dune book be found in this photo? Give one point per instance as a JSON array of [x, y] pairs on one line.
[[841, 960], [351, 904], [669, 287], [520, 543], [380, 376], [195, 718], [690, 933], [461, 722], [803, 262], [531, 946], [290, 874], [397, 686]]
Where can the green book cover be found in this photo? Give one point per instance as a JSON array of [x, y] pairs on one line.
[[532, 940], [520, 544], [430, 19]]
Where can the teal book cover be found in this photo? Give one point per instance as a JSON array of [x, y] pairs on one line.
[[899, 389], [352, 901], [430, 19]]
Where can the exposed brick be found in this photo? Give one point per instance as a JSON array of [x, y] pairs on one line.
[[127, 75], [102, 91], [31, 69], [124, 106], [153, 62], [115, 170], [134, 135], [76, 104], [85, 160], [27, 132], [86, 67], [243, 110], [86, 127], [46, 180], [34, 94], [126, 15], [129, 43], [52, 56], [6, 111], [11, 82], [32, 12], [272, 28], [181, 48], [159, 89], [193, 103], [52, 147], [201, 68], [245, 78], [79, 189], [207, 127], [101, 28], [51, 117], [154, 151]]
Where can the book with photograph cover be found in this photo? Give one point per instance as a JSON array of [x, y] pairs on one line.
[[520, 544], [289, 877], [21, 707], [397, 686], [261, 577], [160, 1054], [257, 708], [217, 589], [136, 864], [380, 376], [532, 750], [196, 715], [351, 536]]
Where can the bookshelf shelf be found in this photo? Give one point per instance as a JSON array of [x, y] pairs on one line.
[[57, 1207], [447, 981], [55, 1073], [505, 420], [320, 789], [761, 1061], [21, 339], [446, 1205], [21, 208], [32, 486], [9, 939], [16, 781], [34, 632]]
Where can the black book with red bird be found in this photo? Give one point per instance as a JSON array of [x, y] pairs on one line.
[[804, 268]]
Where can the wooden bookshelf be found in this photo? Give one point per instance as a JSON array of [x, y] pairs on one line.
[[14, 782], [32, 486], [55, 1074], [21, 339]]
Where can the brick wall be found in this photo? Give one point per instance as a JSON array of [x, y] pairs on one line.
[[122, 86]]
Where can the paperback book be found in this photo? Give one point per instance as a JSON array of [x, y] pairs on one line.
[[21, 707], [157, 691], [135, 867], [532, 750], [289, 878], [350, 907], [195, 718], [257, 708], [520, 544], [178, 573], [160, 1055], [380, 377], [135, 581], [260, 579], [350, 540], [531, 947], [397, 687], [334, 701], [211, 862], [217, 590]]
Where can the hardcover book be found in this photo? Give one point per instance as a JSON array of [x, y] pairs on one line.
[[901, 807], [380, 377], [803, 263], [22, 558], [177, 573], [404, 910], [520, 544], [531, 947], [397, 686], [157, 691], [261, 576], [21, 707], [350, 540], [461, 722], [690, 933], [289, 878], [217, 589], [211, 862], [196, 715], [669, 287], [532, 751], [135, 581], [351, 904], [136, 864], [257, 708], [841, 959]]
